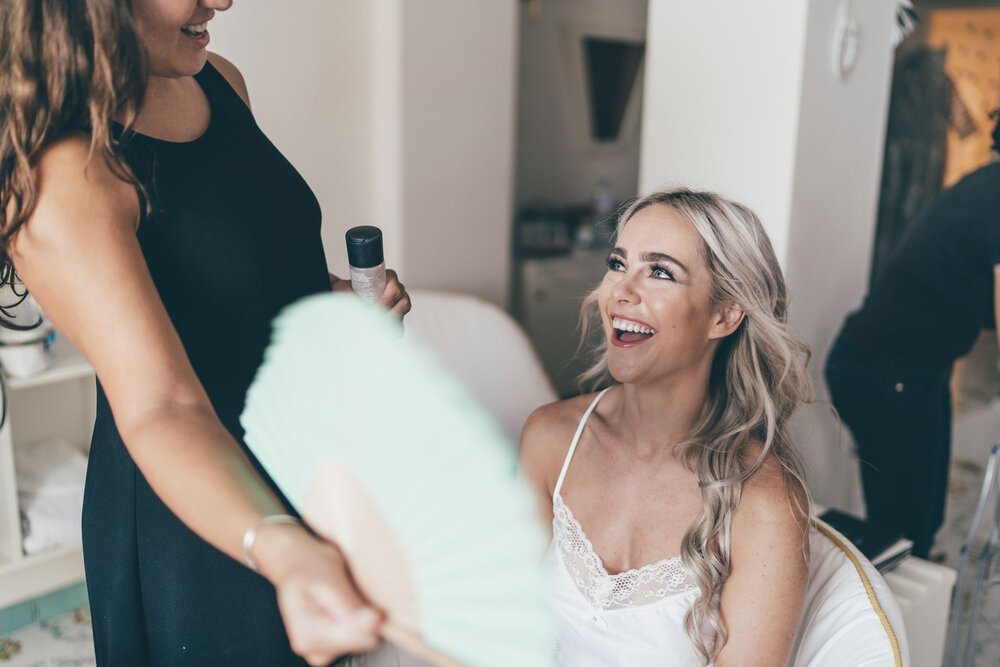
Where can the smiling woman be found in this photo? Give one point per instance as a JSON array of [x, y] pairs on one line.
[[123, 162], [658, 290], [689, 509]]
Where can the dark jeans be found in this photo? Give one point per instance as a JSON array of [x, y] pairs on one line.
[[902, 426]]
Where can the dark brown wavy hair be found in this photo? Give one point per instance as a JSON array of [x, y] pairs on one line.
[[66, 67]]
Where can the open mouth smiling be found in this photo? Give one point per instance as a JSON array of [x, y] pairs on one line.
[[195, 30], [628, 333]]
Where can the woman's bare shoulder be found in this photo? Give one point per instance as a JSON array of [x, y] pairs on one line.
[[546, 437], [77, 186], [68, 156], [772, 516], [773, 494], [558, 418]]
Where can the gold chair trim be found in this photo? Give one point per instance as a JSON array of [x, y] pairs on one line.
[[869, 589]]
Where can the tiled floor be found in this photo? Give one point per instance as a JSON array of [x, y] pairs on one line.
[[975, 433], [966, 480], [976, 430], [61, 641]]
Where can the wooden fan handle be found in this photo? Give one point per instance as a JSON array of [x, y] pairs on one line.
[[411, 643], [338, 508]]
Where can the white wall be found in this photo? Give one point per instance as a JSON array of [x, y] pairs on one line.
[[838, 172], [556, 159], [741, 98], [723, 84], [398, 114]]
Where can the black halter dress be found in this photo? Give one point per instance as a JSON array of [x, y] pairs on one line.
[[234, 236]]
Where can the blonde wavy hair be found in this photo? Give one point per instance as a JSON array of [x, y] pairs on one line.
[[758, 379]]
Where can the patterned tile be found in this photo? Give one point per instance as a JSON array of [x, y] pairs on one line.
[[61, 602], [60, 641]]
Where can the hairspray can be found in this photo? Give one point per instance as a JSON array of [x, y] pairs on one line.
[[367, 264]]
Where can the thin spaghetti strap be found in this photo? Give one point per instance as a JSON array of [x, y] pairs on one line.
[[576, 439]]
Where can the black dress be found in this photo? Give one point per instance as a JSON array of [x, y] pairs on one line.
[[234, 236]]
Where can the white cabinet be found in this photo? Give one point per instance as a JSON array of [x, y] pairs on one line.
[[550, 292], [923, 591], [59, 402]]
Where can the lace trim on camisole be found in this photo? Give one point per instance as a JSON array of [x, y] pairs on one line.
[[623, 590]]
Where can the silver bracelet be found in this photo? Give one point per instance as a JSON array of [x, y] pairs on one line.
[[250, 536]]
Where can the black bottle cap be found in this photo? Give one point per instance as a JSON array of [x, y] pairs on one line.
[[364, 247]]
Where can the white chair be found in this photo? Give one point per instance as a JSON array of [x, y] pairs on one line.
[[484, 347], [850, 616]]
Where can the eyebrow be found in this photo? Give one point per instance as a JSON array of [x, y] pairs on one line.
[[652, 257]]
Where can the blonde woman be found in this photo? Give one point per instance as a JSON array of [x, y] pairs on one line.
[[678, 506]]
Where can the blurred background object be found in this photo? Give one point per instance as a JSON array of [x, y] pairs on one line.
[[26, 335], [580, 88], [944, 89]]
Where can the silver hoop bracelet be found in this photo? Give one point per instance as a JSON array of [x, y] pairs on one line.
[[250, 537]]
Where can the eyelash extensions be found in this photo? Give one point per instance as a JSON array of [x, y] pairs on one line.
[[614, 263]]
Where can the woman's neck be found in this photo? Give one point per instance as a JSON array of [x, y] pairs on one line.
[[174, 109], [652, 415]]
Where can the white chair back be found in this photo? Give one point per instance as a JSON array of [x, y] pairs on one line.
[[850, 616], [484, 347]]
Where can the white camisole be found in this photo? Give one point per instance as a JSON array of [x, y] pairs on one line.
[[631, 618]]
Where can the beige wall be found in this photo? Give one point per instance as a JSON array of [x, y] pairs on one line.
[[457, 78]]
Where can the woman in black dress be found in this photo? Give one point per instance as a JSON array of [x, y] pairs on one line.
[[161, 232]]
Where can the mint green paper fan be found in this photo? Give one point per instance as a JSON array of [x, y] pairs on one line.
[[383, 452]]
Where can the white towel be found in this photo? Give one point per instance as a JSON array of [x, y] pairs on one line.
[[50, 479]]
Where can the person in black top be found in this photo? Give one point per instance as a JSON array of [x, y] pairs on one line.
[[161, 232], [889, 368]]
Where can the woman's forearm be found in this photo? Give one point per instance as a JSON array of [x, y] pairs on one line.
[[199, 471]]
